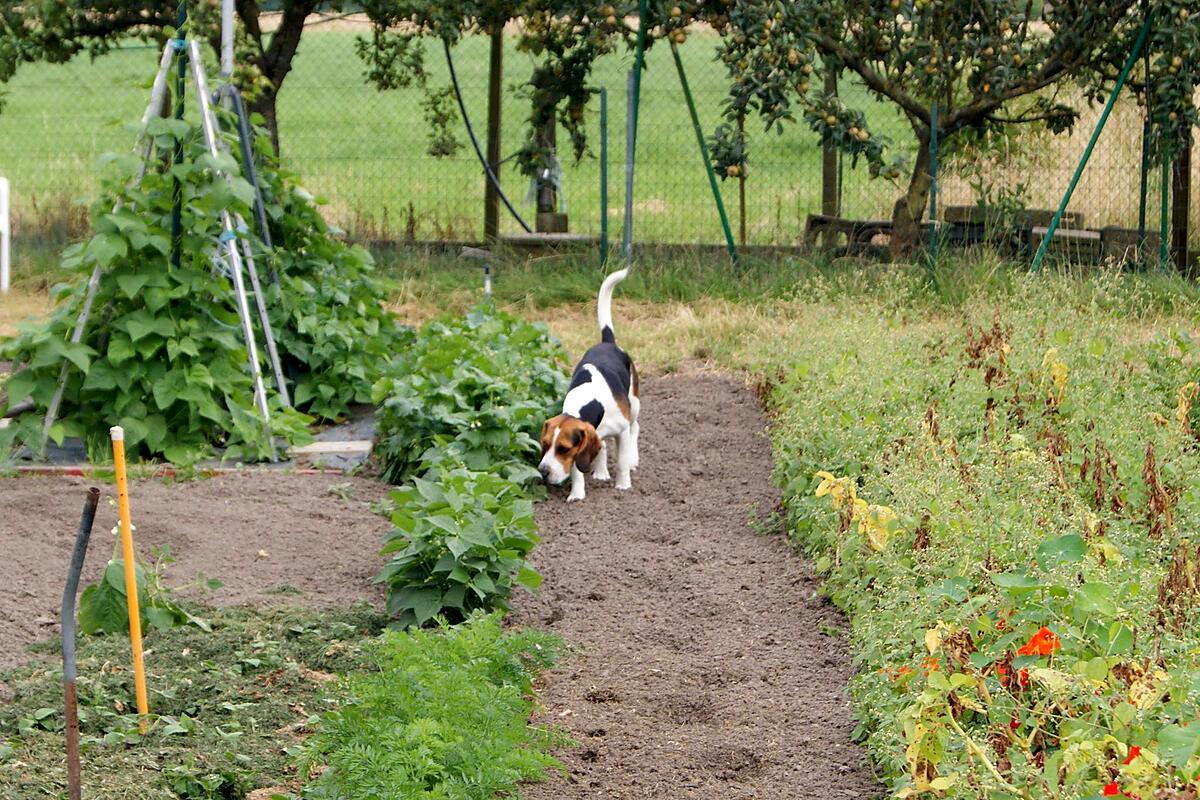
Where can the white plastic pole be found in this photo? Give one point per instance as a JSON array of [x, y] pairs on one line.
[[5, 237], [227, 28]]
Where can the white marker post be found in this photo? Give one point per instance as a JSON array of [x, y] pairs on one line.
[[5, 238]]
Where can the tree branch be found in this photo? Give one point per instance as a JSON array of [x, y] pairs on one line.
[[872, 79]]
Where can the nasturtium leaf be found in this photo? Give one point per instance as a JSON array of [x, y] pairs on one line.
[[1066, 549]]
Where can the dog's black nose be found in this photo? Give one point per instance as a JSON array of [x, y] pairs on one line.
[[545, 472]]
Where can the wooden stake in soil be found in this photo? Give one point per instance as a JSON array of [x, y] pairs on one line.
[[131, 587]]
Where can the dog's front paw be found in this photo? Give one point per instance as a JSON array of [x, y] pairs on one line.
[[601, 474], [623, 483], [575, 498]]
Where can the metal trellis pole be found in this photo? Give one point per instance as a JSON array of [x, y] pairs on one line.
[[180, 81], [229, 240]]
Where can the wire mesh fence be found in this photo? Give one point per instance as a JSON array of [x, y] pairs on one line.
[[365, 151]]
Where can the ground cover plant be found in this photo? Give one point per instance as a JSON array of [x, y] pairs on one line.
[[229, 706], [163, 356], [457, 417], [999, 500], [442, 714]]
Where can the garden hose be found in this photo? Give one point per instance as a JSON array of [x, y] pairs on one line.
[[462, 107]]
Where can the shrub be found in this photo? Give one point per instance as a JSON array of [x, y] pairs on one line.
[[163, 354], [460, 543], [471, 392], [444, 715]]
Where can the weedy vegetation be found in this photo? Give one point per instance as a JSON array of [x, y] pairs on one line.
[[998, 496]]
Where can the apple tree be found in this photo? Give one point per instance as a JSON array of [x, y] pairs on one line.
[[994, 65]]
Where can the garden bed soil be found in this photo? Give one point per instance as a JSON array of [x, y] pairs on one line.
[[709, 665], [270, 537]]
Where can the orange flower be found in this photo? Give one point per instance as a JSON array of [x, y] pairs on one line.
[[929, 665], [1042, 643]]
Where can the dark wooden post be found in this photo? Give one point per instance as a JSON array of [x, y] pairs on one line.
[[1181, 185], [829, 160], [491, 200], [549, 220]]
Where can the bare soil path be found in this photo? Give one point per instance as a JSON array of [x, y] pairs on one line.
[[703, 671]]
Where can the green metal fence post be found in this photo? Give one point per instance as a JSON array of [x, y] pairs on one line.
[[1164, 219], [708, 167], [1091, 145], [1144, 187], [603, 175], [639, 63]]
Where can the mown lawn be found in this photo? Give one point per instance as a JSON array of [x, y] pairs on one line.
[[366, 150]]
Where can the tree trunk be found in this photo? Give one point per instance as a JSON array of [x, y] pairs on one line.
[[265, 103], [910, 209]]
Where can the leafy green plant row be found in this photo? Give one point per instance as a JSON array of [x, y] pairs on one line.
[[1003, 508], [163, 355], [458, 411], [442, 715]]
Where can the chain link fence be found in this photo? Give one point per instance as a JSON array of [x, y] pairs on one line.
[[365, 151]]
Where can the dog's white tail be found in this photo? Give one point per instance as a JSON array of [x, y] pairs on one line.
[[604, 306]]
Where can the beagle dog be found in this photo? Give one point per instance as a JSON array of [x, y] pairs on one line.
[[601, 404]]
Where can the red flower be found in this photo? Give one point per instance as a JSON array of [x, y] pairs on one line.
[[1014, 723], [929, 665], [1023, 678], [1111, 790], [1134, 752], [1042, 643]]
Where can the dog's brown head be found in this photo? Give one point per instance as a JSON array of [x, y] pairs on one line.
[[567, 442]]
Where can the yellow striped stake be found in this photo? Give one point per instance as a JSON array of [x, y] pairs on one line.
[[131, 587]]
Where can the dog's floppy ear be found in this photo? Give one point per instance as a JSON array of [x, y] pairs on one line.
[[588, 450]]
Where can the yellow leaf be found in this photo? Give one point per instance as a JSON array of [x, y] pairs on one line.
[[1147, 690]]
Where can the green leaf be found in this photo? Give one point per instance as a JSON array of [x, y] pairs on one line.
[[105, 248], [529, 578], [1178, 743], [132, 283], [142, 323], [1067, 549], [1094, 598], [102, 609]]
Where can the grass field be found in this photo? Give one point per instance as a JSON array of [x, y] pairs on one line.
[[366, 150]]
